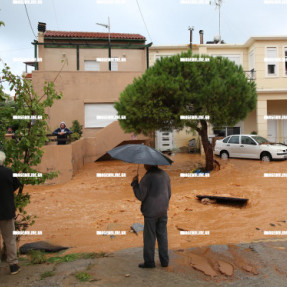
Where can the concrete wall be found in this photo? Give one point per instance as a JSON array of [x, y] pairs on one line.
[[202, 49], [182, 137], [78, 155], [70, 158], [106, 139], [58, 158], [78, 88], [250, 123], [53, 59], [262, 80]]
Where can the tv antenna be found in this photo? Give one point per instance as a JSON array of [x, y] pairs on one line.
[[218, 4], [108, 26]]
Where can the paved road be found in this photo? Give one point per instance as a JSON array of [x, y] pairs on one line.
[[256, 264]]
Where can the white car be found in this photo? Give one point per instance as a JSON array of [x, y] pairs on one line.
[[249, 146]]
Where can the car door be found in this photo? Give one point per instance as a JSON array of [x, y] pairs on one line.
[[249, 148], [233, 146]]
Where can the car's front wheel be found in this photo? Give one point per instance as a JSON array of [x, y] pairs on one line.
[[224, 155], [266, 157]]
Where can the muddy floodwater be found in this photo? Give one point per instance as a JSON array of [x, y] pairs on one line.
[[72, 213]]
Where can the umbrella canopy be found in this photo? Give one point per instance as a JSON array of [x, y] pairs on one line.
[[139, 153]]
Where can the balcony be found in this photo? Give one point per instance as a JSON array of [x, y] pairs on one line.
[[251, 75]]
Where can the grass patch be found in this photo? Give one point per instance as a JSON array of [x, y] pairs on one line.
[[24, 261], [76, 256], [37, 257], [66, 258], [83, 276], [47, 274]]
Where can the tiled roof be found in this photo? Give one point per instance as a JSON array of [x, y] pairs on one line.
[[93, 35], [28, 76]]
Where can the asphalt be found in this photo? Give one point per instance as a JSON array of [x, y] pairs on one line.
[[255, 264]]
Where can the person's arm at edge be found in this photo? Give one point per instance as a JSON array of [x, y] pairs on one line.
[[16, 183], [168, 186]]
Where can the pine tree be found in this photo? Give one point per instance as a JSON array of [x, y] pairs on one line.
[[215, 87]]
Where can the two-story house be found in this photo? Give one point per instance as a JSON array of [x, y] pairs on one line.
[[264, 59], [91, 69]]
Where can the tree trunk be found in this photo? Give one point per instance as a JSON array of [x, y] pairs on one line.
[[21, 188], [207, 146]]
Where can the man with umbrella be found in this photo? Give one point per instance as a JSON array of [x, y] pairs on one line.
[[154, 193]]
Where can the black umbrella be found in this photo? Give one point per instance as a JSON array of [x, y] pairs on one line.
[[139, 153]]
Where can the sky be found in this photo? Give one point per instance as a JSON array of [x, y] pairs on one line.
[[162, 22]]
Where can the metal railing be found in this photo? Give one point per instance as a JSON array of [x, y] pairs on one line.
[[53, 138], [251, 75]]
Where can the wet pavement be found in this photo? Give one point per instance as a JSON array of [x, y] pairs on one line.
[[261, 263]]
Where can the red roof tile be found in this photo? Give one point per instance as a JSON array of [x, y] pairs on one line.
[[93, 35], [28, 76]]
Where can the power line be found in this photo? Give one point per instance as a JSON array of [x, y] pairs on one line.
[[144, 20], [29, 20]]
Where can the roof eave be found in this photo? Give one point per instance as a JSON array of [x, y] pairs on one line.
[[93, 39]]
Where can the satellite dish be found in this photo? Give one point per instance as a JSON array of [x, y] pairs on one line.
[[217, 38]]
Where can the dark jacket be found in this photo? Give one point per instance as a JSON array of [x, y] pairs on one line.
[[154, 192], [8, 184], [62, 139]]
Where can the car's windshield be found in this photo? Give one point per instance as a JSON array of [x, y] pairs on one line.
[[260, 140]]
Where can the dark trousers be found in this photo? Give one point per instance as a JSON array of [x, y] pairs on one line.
[[155, 228]]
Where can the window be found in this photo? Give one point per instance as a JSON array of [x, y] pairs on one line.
[[226, 140], [114, 66], [233, 131], [271, 55], [234, 140], [226, 131], [260, 140], [247, 140], [92, 65], [233, 58], [96, 115]]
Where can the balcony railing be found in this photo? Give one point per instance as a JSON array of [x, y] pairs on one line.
[[251, 75]]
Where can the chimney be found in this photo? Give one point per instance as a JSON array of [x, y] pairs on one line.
[[190, 30], [41, 27], [201, 36]]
